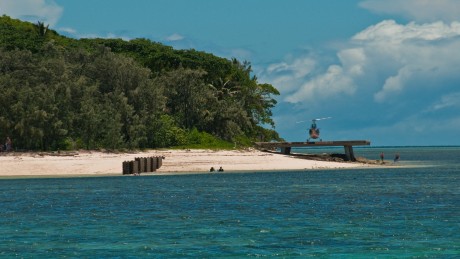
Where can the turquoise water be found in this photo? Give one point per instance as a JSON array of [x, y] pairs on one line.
[[384, 213]]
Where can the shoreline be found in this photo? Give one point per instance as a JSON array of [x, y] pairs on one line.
[[177, 162]]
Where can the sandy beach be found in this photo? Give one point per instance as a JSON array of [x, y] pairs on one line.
[[83, 163]]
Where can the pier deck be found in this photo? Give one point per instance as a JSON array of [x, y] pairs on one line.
[[286, 146]]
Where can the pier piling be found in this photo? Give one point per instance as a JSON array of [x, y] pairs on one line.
[[142, 165]]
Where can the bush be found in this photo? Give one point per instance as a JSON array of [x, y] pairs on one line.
[[197, 139]]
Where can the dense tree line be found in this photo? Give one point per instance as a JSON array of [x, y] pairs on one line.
[[62, 93]]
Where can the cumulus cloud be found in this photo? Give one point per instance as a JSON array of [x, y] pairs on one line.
[[420, 55], [46, 11], [338, 80], [288, 75], [417, 10], [396, 76], [333, 82], [396, 33], [386, 61]]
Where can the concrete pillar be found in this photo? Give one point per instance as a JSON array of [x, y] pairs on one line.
[[148, 164], [286, 150], [159, 161], [154, 163], [126, 167], [141, 162], [349, 153], [134, 167]]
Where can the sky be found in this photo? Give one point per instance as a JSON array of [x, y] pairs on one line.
[[387, 71]]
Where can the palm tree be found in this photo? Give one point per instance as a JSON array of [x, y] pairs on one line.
[[42, 29]]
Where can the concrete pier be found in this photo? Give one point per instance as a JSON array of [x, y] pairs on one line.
[[285, 147]]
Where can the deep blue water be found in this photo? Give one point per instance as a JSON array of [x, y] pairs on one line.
[[363, 213]]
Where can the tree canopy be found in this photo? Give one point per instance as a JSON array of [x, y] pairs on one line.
[[63, 93]]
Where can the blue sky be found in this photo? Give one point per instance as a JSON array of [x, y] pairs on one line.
[[387, 71]]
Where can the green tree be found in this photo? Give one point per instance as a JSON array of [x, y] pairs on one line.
[[167, 134], [41, 28], [111, 93], [90, 117], [184, 89]]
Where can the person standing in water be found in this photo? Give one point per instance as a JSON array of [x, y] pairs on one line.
[[382, 157], [396, 158]]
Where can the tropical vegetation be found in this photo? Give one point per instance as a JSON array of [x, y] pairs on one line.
[[64, 93]]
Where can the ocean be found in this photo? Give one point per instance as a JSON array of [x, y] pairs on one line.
[[408, 212]]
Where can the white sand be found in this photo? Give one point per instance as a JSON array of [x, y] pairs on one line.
[[175, 162]]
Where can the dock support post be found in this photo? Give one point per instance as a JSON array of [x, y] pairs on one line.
[[133, 167], [126, 167], [349, 153], [286, 150]]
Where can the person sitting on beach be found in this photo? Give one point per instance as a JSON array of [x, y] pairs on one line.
[[212, 169], [221, 169]]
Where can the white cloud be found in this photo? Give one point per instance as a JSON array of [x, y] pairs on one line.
[[175, 37], [288, 75], [67, 30], [46, 11], [385, 61], [447, 101], [416, 52], [299, 68], [299, 81], [353, 60], [332, 83], [393, 84], [390, 77], [389, 30], [417, 10]]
